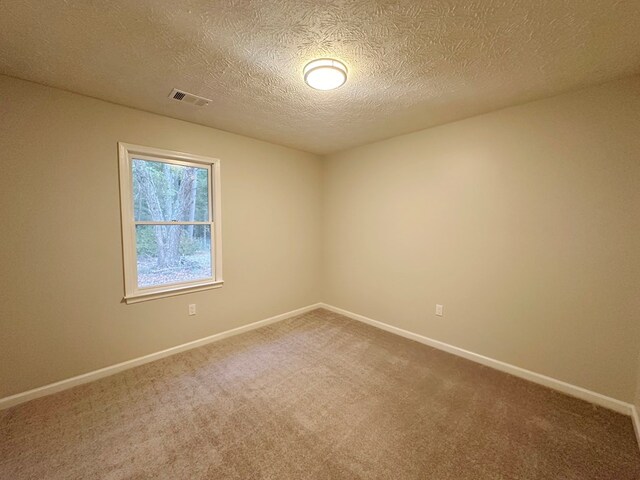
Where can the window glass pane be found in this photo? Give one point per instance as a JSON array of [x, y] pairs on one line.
[[173, 254], [165, 192]]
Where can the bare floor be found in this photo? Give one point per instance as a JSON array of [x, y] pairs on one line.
[[315, 397]]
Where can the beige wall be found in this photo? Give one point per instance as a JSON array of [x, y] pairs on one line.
[[637, 397], [524, 223], [60, 248]]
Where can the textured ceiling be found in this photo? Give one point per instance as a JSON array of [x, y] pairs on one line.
[[411, 64]]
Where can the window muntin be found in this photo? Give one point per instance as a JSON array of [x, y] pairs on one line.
[[170, 222]]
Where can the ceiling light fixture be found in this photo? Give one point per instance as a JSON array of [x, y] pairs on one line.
[[325, 74]]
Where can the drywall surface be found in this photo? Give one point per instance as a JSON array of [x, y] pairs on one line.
[[524, 223], [412, 64], [637, 397], [61, 288]]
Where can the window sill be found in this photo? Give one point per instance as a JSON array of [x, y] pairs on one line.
[[143, 297]]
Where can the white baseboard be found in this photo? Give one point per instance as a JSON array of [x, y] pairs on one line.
[[567, 388], [636, 422], [18, 398], [559, 385]]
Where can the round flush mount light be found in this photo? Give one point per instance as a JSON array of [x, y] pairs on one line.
[[325, 74]]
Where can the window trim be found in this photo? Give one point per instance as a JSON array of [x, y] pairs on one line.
[[132, 293]]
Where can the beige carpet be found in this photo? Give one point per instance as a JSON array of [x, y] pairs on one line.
[[314, 397]]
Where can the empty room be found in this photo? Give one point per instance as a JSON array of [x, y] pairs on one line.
[[336, 239]]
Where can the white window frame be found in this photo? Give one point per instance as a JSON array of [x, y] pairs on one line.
[[126, 153]]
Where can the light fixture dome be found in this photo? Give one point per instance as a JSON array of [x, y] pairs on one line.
[[325, 74]]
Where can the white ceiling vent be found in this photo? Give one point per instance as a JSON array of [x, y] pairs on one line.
[[190, 98]]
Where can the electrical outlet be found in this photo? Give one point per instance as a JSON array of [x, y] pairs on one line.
[[439, 310], [192, 309]]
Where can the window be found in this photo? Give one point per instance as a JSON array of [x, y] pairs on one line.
[[170, 204]]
